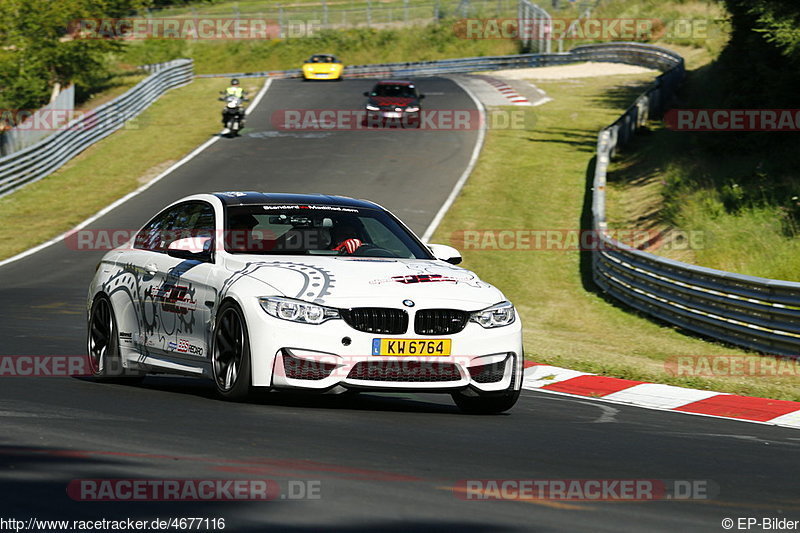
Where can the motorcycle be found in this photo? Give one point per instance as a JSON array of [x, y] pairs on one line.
[[232, 114]]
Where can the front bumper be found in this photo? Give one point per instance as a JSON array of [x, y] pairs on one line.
[[320, 357], [391, 116], [331, 75]]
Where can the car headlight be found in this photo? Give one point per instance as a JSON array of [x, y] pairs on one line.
[[373, 108], [297, 310], [412, 109], [496, 316]]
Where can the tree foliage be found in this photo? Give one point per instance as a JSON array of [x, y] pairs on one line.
[[762, 61], [37, 51]]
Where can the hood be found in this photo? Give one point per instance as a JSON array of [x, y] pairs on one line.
[[323, 67], [393, 101], [341, 281]]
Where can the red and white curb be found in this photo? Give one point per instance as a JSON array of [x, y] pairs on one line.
[[506, 90], [662, 397]]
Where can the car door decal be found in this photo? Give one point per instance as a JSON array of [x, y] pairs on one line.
[[316, 280]]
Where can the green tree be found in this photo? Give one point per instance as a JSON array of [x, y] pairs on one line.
[[760, 63], [37, 50]]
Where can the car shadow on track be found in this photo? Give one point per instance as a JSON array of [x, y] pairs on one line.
[[36, 482], [363, 401]]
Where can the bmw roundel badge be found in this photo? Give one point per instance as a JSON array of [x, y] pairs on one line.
[[408, 303]]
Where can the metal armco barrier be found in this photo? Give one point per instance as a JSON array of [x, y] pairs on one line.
[[41, 159], [756, 313], [631, 53]]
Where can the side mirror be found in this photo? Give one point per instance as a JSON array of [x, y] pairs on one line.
[[445, 253], [421, 96], [191, 248], [366, 93]]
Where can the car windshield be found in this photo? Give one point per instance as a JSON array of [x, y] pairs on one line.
[[318, 230], [403, 91], [322, 59]]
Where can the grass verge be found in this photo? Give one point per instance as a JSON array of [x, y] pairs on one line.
[[740, 202], [354, 47], [540, 178], [690, 24]]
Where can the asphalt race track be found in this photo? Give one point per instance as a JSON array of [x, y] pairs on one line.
[[380, 462]]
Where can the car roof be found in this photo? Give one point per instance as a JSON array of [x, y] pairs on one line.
[[395, 82], [323, 55], [237, 198]]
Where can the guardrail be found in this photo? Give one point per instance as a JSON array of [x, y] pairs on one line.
[[643, 55], [756, 313], [56, 113], [39, 160]]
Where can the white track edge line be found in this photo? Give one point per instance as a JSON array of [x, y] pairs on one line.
[[476, 151], [134, 193]]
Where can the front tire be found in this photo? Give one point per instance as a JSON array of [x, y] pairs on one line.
[[493, 403], [103, 344], [486, 405], [230, 358]]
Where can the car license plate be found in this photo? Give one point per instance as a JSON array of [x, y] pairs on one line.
[[392, 114], [411, 347]]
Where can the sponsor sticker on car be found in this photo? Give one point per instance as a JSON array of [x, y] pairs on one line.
[[411, 347]]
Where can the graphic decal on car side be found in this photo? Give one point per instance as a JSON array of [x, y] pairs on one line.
[[317, 281], [164, 313], [124, 281], [176, 299]]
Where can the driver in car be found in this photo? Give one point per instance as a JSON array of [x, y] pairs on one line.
[[345, 238]]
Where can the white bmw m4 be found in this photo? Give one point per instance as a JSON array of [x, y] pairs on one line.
[[301, 292]]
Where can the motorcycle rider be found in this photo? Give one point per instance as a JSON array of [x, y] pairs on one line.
[[233, 95], [235, 89]]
